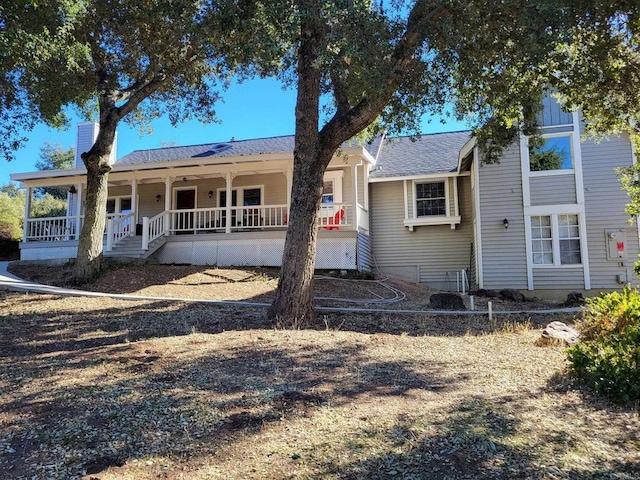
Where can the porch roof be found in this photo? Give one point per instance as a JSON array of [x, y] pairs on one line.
[[431, 154]]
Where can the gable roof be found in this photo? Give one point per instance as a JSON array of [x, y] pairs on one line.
[[219, 149], [425, 155]]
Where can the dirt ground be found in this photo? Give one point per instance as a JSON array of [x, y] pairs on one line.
[[102, 389]]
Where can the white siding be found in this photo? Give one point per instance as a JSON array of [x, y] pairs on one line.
[[604, 207], [433, 249], [504, 262]]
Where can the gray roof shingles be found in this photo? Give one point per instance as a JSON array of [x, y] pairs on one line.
[[399, 157], [424, 155]]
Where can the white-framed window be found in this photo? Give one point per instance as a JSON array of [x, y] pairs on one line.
[[431, 199], [119, 205], [551, 152], [555, 239], [332, 186]]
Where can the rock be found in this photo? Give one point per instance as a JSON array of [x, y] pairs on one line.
[[512, 294], [447, 301], [481, 292], [558, 333], [574, 299]]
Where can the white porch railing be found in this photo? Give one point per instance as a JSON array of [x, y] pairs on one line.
[[119, 227], [335, 215], [152, 228], [200, 220], [52, 229]]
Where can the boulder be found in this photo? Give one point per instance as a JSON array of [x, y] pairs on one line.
[[574, 299], [447, 301], [512, 294], [558, 333]]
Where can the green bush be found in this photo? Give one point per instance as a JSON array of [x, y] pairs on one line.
[[607, 358]]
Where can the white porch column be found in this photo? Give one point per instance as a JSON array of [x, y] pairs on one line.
[[367, 167], [356, 210], [78, 210], [228, 203], [27, 210], [167, 202], [134, 206]]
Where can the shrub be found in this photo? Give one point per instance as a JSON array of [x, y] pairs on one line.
[[607, 358]]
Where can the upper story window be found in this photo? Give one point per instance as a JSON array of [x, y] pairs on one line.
[[551, 152], [430, 199]]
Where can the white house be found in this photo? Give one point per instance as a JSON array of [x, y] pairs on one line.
[[547, 217]]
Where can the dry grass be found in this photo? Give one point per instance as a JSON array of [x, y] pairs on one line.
[[112, 389]]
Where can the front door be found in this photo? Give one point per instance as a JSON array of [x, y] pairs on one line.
[[185, 200], [222, 202]]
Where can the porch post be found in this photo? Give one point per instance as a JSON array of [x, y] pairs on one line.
[[229, 197], [27, 210], [289, 184], [78, 210], [356, 210], [134, 207], [167, 203], [365, 172]]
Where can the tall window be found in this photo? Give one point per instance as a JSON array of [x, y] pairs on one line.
[[541, 240], [430, 199], [555, 240], [327, 191], [550, 152], [569, 238]]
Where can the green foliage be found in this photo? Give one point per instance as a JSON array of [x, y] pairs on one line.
[[11, 216], [607, 358], [48, 206], [54, 157], [540, 158]]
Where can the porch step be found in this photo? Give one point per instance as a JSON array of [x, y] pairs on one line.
[[131, 247]]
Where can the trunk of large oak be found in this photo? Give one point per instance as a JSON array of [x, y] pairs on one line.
[[293, 305], [90, 245]]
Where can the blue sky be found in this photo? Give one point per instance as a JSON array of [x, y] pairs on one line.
[[253, 109]]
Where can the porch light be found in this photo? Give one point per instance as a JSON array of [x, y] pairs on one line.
[[505, 222], [210, 193], [158, 197], [73, 190]]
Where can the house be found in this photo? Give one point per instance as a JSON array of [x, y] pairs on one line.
[[548, 217]]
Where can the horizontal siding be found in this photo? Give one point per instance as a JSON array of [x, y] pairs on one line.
[[552, 189], [604, 205], [558, 278], [437, 249], [504, 262]]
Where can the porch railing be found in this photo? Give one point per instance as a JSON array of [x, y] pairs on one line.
[[200, 220], [153, 228], [52, 229]]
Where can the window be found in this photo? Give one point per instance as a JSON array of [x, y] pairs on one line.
[[430, 199], [555, 240], [550, 152], [569, 237], [118, 205], [327, 191], [541, 242]]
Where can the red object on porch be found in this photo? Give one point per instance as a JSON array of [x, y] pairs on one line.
[[336, 220]]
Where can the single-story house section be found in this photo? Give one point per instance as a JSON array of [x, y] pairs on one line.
[[548, 217]]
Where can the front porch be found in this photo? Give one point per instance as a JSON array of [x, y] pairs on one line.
[[212, 207]]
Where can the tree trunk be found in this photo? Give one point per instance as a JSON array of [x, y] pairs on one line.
[[293, 305], [90, 244]]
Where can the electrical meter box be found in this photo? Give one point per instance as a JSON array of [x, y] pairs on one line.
[[616, 241]]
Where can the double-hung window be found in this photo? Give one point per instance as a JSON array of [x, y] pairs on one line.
[[430, 199], [555, 239]]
